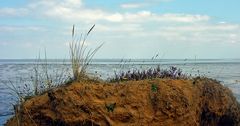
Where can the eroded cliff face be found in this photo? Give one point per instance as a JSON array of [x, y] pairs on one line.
[[160, 102]]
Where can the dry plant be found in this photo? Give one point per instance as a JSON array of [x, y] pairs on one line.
[[48, 79], [20, 93], [44, 77], [40, 75], [80, 56], [35, 79]]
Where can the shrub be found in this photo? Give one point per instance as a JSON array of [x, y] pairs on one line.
[[150, 73]]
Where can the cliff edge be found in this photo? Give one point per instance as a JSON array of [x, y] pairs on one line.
[[158, 102]]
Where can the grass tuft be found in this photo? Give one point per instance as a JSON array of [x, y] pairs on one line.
[[80, 56]]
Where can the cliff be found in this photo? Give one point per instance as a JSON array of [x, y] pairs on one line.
[[159, 102]]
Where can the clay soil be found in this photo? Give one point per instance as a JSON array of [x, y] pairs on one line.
[[158, 102]]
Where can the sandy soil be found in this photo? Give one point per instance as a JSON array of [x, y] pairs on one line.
[[159, 102]]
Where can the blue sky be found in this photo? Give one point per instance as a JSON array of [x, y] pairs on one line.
[[128, 28]]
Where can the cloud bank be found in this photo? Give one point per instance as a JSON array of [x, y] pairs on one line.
[[139, 25]]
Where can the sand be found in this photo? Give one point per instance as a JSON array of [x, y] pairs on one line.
[[158, 102]]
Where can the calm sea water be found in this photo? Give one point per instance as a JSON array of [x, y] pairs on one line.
[[19, 72]]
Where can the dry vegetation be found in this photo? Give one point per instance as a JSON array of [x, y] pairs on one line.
[[80, 56], [41, 79]]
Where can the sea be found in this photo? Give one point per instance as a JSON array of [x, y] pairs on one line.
[[15, 74]]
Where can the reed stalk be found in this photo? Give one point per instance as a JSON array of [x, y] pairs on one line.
[[80, 56]]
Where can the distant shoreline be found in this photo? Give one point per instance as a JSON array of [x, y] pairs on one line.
[[130, 61]]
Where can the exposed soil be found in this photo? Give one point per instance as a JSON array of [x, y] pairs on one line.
[[159, 102]]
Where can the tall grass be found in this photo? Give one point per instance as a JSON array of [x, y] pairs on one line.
[[80, 56], [44, 77], [48, 77], [35, 78]]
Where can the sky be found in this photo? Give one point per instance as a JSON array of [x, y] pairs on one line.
[[173, 29]]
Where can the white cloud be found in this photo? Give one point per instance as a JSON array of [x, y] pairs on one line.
[[47, 3], [117, 17], [190, 33], [183, 18], [203, 27], [12, 28], [3, 43], [74, 11], [144, 16], [132, 5], [94, 15], [129, 27], [74, 2], [139, 26], [87, 15], [141, 4], [13, 11], [171, 27]]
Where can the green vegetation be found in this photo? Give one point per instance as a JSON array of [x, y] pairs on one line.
[[110, 107], [154, 88]]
